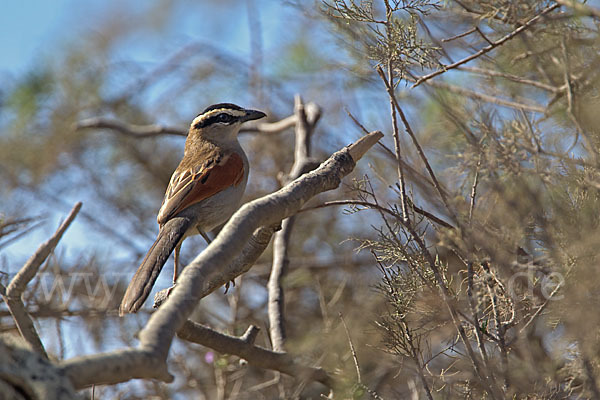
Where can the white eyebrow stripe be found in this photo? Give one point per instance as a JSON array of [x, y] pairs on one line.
[[235, 113]]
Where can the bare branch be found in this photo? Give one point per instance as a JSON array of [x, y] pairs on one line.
[[243, 347], [14, 291], [139, 131], [153, 130], [306, 120], [253, 249]]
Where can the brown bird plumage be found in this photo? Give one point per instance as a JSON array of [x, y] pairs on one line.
[[205, 189]]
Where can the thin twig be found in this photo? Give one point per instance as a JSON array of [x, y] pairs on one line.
[[352, 349], [436, 184], [418, 210], [389, 82], [591, 377], [475, 313], [543, 306], [459, 35], [487, 98], [483, 35], [446, 295], [421, 178], [488, 48], [511, 77], [474, 190], [138, 131], [500, 326]]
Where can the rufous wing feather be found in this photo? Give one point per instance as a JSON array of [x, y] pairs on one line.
[[192, 185]]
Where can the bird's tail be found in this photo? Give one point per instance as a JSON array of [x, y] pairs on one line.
[[142, 282]]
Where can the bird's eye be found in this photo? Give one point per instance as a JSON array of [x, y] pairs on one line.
[[224, 117]]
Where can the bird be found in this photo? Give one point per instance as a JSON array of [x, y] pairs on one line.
[[205, 189]]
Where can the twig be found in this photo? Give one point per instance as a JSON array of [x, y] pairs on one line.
[[487, 98], [483, 35], [139, 131], [397, 148], [19, 235], [406, 166], [446, 295], [422, 155], [459, 35], [475, 313], [245, 348], [389, 82], [352, 349], [591, 377], [541, 308], [488, 48], [500, 326], [14, 291], [514, 78], [418, 210], [474, 190], [570, 105]]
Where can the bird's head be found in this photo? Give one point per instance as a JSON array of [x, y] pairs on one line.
[[221, 122]]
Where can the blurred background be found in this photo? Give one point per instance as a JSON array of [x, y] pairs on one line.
[[512, 138]]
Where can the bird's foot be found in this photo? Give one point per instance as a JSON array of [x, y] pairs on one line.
[[230, 283], [161, 296]]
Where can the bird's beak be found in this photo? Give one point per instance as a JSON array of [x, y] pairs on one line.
[[252, 115]]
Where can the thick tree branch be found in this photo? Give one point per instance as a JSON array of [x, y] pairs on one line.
[[14, 291], [256, 245], [204, 274]]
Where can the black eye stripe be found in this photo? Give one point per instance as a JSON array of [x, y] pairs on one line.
[[219, 118]]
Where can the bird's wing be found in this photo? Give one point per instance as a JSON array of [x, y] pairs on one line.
[[195, 183]]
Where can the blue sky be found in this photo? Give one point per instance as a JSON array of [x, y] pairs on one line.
[[34, 28], [31, 28]]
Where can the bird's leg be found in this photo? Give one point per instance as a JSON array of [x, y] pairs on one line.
[[176, 258], [205, 236], [208, 241]]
